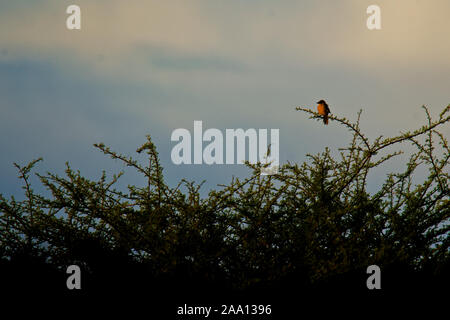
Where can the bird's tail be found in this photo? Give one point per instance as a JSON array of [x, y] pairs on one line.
[[325, 119]]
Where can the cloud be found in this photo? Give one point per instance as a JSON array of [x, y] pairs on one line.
[[139, 66], [253, 32]]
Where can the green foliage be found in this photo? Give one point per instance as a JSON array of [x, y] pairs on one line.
[[315, 220]]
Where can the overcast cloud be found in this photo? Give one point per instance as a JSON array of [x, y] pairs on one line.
[[149, 67]]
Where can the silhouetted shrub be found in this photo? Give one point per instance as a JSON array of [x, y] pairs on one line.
[[312, 225]]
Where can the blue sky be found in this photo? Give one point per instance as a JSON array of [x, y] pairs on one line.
[[149, 67]]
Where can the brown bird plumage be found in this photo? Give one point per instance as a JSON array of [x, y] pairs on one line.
[[322, 109]]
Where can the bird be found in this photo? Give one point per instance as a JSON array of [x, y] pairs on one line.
[[322, 108]]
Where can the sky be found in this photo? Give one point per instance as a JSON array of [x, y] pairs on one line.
[[150, 67]]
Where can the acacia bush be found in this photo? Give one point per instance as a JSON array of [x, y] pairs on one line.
[[312, 224]]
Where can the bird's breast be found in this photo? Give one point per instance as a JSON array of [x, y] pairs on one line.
[[321, 109]]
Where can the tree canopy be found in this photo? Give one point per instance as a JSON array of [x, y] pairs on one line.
[[313, 223]]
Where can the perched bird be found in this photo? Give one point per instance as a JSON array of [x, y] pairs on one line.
[[322, 108]]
